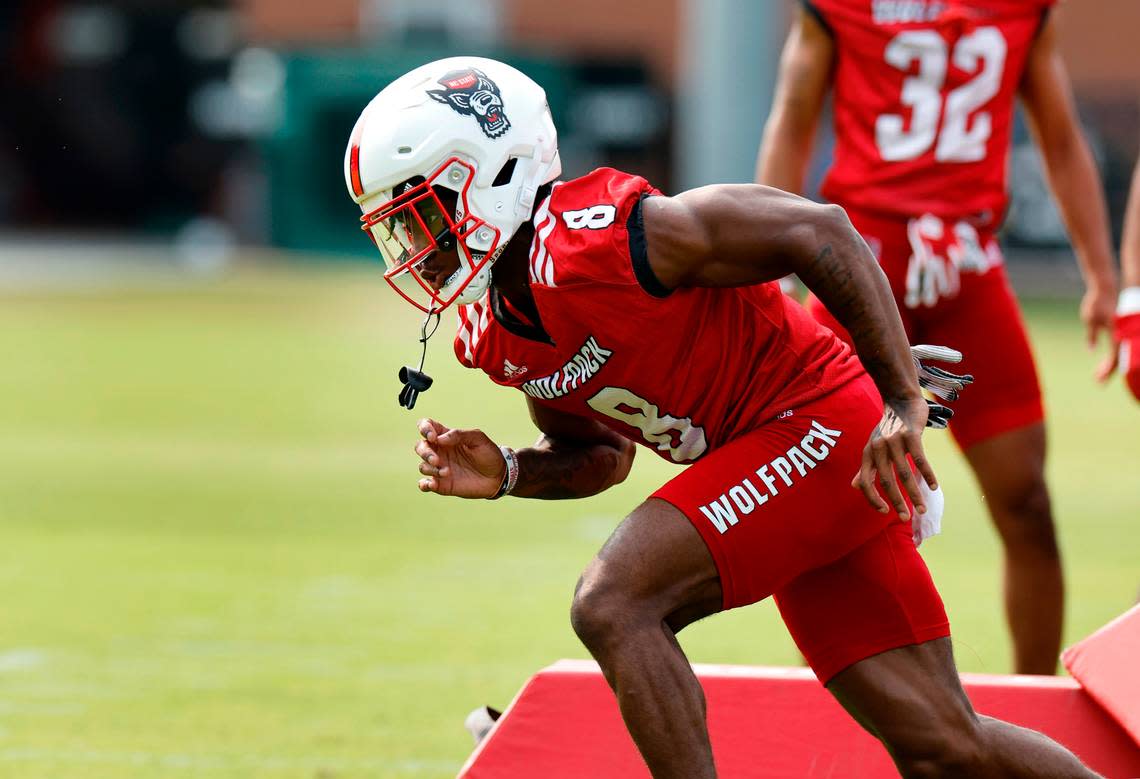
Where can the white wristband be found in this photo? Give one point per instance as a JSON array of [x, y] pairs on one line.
[[511, 477], [1129, 302]]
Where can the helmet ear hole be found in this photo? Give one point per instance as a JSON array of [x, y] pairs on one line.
[[506, 173]]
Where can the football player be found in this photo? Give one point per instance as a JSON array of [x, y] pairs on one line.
[[1126, 357], [627, 317], [924, 96]]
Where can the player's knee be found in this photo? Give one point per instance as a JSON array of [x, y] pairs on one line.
[[598, 612], [1026, 516]]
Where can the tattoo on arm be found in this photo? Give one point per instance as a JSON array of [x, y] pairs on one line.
[[858, 296]]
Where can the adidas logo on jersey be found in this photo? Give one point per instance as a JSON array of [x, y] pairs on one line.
[[510, 370]]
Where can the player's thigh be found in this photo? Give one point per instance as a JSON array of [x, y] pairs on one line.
[[984, 322], [778, 501], [1010, 468], [910, 697], [877, 598], [654, 564], [1010, 461]]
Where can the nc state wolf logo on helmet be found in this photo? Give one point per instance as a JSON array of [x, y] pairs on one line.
[[470, 92]]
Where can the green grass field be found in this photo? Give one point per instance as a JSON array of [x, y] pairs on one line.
[[216, 564]]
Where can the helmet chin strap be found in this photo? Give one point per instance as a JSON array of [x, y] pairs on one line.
[[478, 285], [415, 380]]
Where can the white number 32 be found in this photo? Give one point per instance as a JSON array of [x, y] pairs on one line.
[[959, 141]]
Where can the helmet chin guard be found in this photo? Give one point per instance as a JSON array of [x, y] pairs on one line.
[[475, 288]]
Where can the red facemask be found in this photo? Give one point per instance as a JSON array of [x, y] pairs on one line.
[[409, 228]]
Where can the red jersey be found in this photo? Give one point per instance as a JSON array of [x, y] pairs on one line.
[[924, 99], [682, 372]]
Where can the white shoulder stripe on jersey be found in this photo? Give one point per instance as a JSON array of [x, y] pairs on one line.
[[474, 319], [544, 224], [482, 313], [464, 335], [545, 261], [535, 249]]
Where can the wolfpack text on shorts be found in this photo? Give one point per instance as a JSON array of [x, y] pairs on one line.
[[783, 471]]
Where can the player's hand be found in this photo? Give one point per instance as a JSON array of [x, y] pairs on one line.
[[1098, 309], [897, 436], [1110, 363], [463, 463], [1126, 354]]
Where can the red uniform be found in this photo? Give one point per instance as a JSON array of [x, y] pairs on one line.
[[924, 100], [1127, 334], [770, 407]]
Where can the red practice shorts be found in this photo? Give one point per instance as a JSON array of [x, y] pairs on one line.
[[778, 513], [978, 316]]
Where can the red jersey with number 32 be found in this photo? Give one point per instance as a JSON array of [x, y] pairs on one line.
[[681, 372], [924, 100]]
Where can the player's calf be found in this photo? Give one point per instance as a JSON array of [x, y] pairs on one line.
[[951, 752]]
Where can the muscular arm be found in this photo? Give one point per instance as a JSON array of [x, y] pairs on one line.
[[574, 457], [739, 234], [736, 235], [1130, 241], [1072, 175], [1128, 320], [805, 73]]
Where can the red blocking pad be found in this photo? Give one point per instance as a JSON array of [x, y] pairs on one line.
[[1107, 664], [765, 722]]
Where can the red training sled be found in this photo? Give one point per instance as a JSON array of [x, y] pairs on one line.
[[779, 722]]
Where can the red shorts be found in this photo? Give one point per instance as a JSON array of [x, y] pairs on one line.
[[778, 513], [978, 316]]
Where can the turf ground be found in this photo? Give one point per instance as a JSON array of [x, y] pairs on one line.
[[215, 562]]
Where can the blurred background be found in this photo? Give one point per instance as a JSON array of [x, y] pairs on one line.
[[223, 123], [214, 560]]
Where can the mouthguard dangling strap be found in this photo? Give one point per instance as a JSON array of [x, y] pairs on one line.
[[415, 380]]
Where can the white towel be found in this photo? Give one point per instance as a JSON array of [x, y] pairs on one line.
[[923, 526]]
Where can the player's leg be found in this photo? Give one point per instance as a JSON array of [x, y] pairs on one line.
[[911, 699], [726, 532], [1010, 469], [653, 566], [873, 627], [998, 422]]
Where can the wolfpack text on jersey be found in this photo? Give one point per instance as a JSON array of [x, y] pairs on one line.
[[582, 367]]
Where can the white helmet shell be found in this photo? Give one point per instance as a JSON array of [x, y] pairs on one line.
[[483, 113]]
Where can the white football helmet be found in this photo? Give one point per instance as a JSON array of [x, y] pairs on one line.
[[472, 125]]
